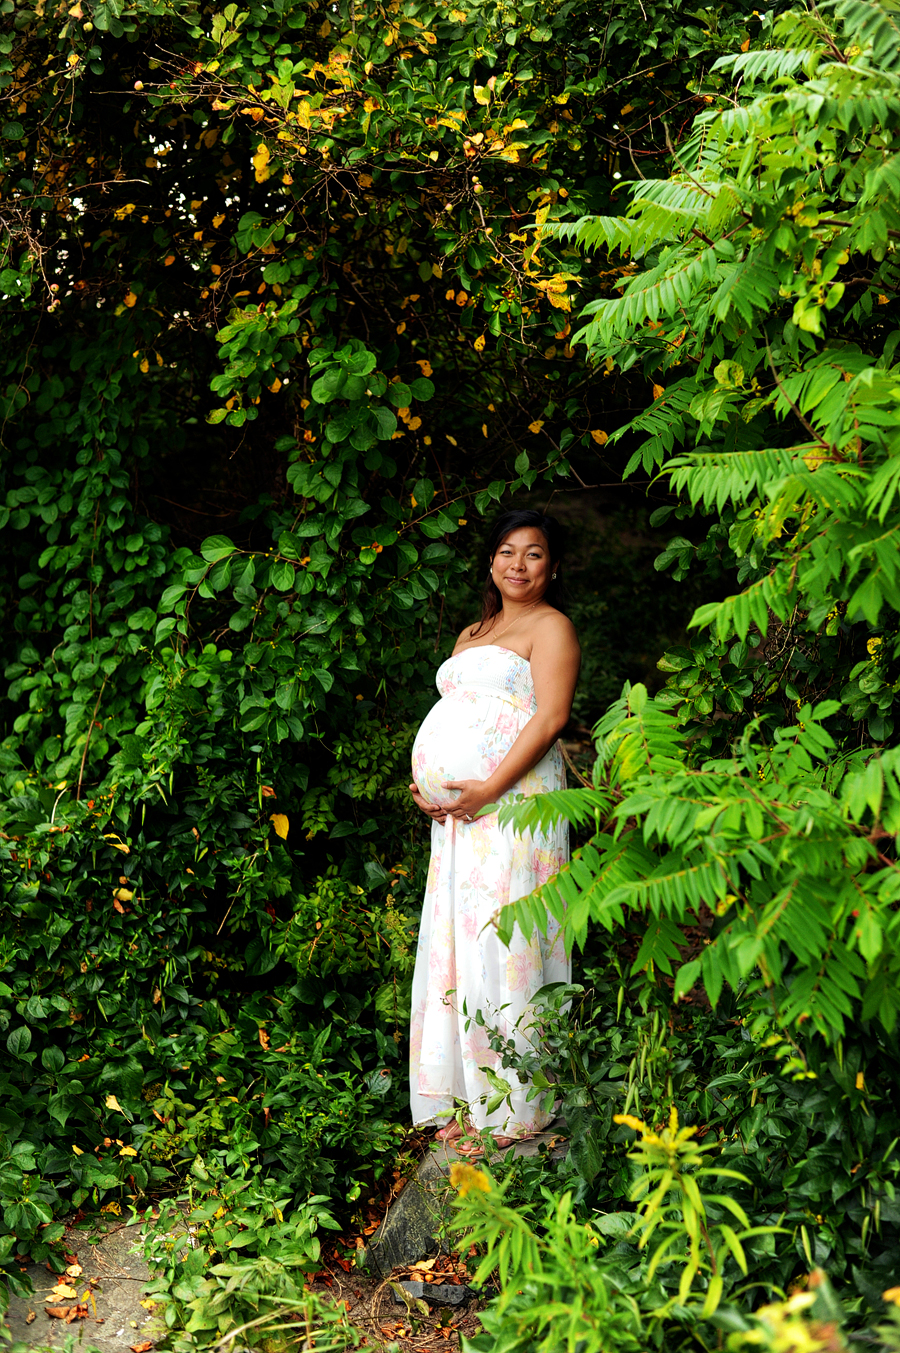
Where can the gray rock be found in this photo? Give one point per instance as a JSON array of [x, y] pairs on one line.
[[436, 1294], [417, 1224]]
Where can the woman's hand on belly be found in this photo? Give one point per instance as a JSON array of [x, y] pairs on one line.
[[433, 810], [474, 795]]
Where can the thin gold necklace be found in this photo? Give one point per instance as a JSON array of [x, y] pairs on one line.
[[513, 622]]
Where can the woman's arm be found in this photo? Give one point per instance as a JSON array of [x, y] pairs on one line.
[[555, 660]]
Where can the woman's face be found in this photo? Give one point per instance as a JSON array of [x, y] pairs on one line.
[[522, 566]]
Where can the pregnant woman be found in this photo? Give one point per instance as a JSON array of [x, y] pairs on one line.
[[506, 693]]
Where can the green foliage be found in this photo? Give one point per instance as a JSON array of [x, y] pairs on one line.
[[767, 271], [235, 337], [230, 1256], [814, 1154], [566, 1279]]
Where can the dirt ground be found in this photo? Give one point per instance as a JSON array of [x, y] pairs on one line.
[[371, 1306], [109, 1309]]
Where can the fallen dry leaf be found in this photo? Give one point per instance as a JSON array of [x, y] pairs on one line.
[[142, 1348], [32, 1315], [74, 1271], [64, 1292], [68, 1313]]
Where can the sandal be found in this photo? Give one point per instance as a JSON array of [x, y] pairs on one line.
[[473, 1148]]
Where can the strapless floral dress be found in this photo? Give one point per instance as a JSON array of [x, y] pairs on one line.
[[487, 698]]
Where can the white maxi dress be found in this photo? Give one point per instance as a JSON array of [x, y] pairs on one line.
[[487, 698]]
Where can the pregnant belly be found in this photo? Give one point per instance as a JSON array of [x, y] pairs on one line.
[[453, 743]]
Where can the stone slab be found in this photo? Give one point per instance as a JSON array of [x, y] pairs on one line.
[[122, 1277]]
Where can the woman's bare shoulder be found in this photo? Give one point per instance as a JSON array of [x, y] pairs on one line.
[[552, 627]]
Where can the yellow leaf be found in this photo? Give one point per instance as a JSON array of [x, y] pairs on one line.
[[536, 425], [210, 137], [275, 386], [451, 440], [458, 14], [599, 437], [325, 29], [860, 1081], [413, 500], [424, 366], [73, 58], [745, 46], [65, 1291], [112, 1103], [629, 108], [123, 894], [281, 824], [484, 430], [76, 1150], [658, 391], [401, 327], [414, 424], [479, 344], [260, 163], [128, 1151], [366, 180], [217, 220], [304, 115], [116, 842], [145, 365], [168, 260], [131, 299]]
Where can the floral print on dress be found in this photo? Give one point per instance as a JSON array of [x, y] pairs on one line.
[[487, 698]]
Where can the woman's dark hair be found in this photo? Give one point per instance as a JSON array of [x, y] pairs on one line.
[[516, 520]]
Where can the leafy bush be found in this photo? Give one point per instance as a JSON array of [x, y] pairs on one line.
[[594, 1285]]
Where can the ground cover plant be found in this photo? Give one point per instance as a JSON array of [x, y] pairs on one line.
[[238, 535]]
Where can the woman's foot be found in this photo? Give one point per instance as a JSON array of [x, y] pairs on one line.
[[450, 1132]]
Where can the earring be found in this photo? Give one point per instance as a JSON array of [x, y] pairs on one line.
[[552, 577]]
